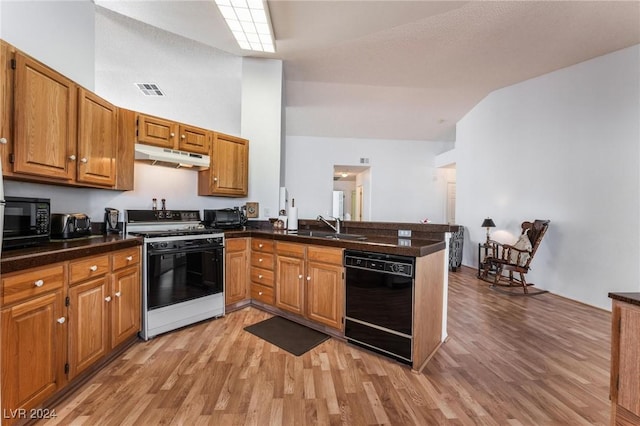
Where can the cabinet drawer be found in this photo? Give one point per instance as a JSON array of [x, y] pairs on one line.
[[262, 276], [123, 258], [235, 244], [262, 260], [262, 293], [262, 245], [325, 254], [291, 249], [81, 270], [31, 283]]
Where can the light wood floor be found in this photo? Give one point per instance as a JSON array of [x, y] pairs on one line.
[[541, 360]]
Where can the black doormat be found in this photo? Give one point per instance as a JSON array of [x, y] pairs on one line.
[[288, 335]]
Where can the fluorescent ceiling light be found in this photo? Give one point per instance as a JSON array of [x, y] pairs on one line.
[[249, 23]]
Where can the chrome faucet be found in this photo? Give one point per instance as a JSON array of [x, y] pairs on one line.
[[336, 228]]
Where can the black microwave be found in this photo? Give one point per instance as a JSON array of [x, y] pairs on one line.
[[26, 222]]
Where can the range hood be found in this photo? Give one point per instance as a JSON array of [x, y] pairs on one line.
[[170, 157]]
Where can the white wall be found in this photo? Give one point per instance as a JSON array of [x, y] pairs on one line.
[[564, 147], [204, 87], [261, 124], [403, 178], [58, 33]]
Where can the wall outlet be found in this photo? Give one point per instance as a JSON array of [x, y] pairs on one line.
[[267, 212], [404, 233], [404, 242]]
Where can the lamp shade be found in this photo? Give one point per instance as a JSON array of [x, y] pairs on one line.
[[488, 223]]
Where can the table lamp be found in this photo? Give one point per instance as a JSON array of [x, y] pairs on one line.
[[488, 223]]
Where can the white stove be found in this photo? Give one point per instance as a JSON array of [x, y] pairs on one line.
[[183, 269]]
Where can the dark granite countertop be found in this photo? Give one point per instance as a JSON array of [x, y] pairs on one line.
[[60, 251], [414, 247], [632, 298]]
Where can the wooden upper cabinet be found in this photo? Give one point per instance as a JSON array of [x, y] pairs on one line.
[[125, 152], [97, 140], [194, 139], [229, 172], [6, 107], [157, 131], [44, 121]]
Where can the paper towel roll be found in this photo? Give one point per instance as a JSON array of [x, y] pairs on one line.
[[292, 219]]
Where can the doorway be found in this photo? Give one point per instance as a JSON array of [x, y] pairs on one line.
[[351, 192]]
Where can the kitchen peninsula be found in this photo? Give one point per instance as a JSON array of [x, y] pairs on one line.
[[301, 275]]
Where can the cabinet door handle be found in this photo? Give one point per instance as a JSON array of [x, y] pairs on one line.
[[108, 298], [260, 276], [3, 141], [183, 137], [308, 278], [260, 260], [72, 157], [129, 258], [259, 293], [39, 283], [172, 134], [93, 268], [118, 294], [61, 320], [260, 245], [300, 276], [215, 179]]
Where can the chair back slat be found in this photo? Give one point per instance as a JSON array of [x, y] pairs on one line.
[[536, 229]]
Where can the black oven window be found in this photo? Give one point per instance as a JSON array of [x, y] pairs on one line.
[[181, 276]]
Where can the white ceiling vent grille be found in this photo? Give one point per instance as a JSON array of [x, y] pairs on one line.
[[150, 89]]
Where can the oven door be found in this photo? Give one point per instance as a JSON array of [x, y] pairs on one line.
[[186, 273]]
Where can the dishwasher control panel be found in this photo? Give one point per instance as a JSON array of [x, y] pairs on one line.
[[397, 265]]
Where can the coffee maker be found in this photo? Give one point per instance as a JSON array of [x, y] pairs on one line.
[[111, 220]]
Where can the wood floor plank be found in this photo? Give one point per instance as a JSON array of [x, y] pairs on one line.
[[521, 361]]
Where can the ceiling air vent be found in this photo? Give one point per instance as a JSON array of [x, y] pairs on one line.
[[150, 89]]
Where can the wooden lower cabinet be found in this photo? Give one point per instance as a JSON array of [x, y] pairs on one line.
[[88, 324], [625, 364], [310, 282], [64, 316], [33, 351], [236, 264]]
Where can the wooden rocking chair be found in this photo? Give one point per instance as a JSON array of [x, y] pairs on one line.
[[516, 258]]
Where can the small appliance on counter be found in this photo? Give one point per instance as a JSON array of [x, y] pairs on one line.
[[111, 216], [26, 222], [224, 218], [70, 225]]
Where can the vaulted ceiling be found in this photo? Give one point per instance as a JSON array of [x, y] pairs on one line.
[[405, 69]]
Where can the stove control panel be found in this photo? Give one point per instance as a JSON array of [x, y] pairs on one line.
[[133, 216]]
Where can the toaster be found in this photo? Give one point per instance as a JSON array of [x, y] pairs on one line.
[[70, 225]]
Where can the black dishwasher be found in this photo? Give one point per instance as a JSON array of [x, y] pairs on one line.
[[379, 303]]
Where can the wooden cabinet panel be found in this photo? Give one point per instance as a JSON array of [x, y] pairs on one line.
[[80, 270], [625, 358], [290, 283], [125, 258], [325, 254], [262, 276], [262, 260], [126, 304], [262, 293], [258, 244], [125, 153], [194, 139], [24, 285], [325, 293], [291, 249], [97, 140], [45, 131], [88, 325], [157, 131], [33, 351], [236, 271], [6, 107], [228, 174]]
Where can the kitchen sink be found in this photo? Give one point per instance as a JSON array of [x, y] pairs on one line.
[[330, 235]]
